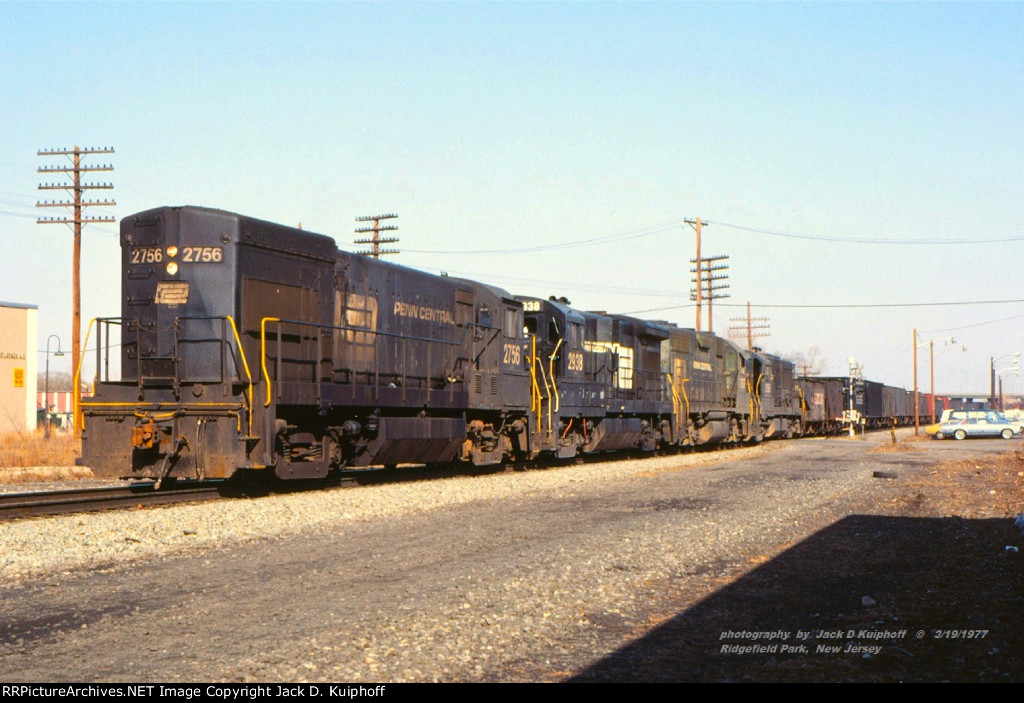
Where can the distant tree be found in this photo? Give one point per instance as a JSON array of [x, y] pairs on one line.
[[59, 381], [811, 362]]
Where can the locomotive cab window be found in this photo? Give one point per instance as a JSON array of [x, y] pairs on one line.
[[575, 335], [463, 307], [553, 335], [511, 323], [731, 367]]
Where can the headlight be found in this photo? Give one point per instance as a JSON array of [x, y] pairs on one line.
[[172, 251], [172, 267]]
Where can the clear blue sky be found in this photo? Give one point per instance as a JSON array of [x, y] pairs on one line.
[[499, 127]]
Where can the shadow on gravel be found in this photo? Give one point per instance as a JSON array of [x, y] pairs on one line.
[[866, 581]]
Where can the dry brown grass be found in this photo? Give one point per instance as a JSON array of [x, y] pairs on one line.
[[28, 456], [890, 448]]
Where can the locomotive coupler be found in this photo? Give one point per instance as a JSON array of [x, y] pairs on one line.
[[169, 461]]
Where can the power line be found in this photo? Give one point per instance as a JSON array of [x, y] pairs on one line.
[[556, 285], [563, 285], [666, 226], [609, 239], [836, 306], [106, 232], [865, 240], [968, 327]]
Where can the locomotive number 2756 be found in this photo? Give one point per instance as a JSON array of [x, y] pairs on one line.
[[147, 255], [202, 255], [513, 354]]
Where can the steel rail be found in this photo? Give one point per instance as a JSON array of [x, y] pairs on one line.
[[15, 506]]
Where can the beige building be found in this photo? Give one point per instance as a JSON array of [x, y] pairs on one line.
[[19, 334]]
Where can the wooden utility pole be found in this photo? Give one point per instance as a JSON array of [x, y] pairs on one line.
[[376, 252], [696, 224], [711, 277], [76, 188], [737, 331], [917, 402]]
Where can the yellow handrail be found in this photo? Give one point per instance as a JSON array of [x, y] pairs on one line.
[[76, 410], [547, 388], [676, 403], [158, 404], [750, 396], [675, 394], [757, 393], [245, 365], [263, 353], [535, 389], [78, 417], [551, 367]]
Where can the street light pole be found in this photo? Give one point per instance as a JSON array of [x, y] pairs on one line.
[[46, 385], [993, 372], [992, 382], [931, 372]]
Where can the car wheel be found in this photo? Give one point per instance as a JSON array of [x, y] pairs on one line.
[[939, 435], [960, 434], [1007, 433]]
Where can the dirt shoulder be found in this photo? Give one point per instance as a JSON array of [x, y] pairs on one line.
[[922, 585]]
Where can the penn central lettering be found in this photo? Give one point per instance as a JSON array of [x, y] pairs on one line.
[[424, 312]]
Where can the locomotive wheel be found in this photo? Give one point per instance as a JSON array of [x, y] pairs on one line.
[[960, 434], [1006, 434]]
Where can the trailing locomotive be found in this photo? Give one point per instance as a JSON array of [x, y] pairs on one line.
[[246, 345]]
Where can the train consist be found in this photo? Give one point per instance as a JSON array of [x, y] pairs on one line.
[[246, 345]]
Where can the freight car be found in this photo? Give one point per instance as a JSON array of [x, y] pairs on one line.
[[823, 401], [249, 346], [826, 404]]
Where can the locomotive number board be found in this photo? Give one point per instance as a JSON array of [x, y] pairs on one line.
[[189, 255]]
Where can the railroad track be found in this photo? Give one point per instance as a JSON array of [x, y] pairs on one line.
[[15, 506]]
